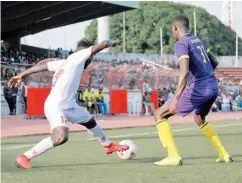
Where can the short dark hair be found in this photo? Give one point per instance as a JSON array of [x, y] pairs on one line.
[[84, 43], [182, 20]]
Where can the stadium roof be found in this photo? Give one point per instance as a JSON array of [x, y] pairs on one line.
[[21, 18]]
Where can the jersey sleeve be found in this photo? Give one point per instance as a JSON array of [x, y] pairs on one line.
[[81, 56], [181, 50], [54, 65]]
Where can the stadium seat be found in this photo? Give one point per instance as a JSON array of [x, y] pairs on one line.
[[135, 106]]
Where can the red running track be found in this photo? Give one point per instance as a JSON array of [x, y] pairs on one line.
[[18, 126]]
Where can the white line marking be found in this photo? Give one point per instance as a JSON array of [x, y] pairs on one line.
[[127, 135], [17, 147], [150, 133]]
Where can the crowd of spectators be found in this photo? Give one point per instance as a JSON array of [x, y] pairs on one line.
[[10, 95], [227, 101], [20, 57], [14, 61], [92, 100]]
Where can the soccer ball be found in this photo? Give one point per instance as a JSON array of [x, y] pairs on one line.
[[130, 153]]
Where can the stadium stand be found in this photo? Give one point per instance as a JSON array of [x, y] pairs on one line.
[[229, 74], [24, 18]]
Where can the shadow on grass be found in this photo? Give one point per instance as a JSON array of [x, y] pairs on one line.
[[154, 159], [148, 161]]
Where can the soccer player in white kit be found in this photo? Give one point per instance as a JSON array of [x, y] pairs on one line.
[[60, 106]]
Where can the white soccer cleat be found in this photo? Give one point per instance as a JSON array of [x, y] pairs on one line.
[[169, 162], [224, 159]]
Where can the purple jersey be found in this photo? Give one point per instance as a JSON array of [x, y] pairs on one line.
[[201, 75]]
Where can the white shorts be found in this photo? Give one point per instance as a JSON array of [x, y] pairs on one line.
[[62, 117]]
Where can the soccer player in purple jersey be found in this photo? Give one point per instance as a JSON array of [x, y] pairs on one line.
[[196, 91]]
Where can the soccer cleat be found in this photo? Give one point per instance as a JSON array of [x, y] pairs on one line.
[[115, 148], [23, 162], [169, 162], [226, 159]]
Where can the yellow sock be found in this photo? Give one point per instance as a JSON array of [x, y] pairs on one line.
[[210, 133], [166, 138]]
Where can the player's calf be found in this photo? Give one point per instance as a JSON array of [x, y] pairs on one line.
[[165, 133], [95, 130], [213, 138], [199, 120], [60, 135]]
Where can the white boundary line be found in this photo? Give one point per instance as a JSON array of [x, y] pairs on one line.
[[128, 135], [150, 133]]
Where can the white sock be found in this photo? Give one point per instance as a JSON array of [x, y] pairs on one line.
[[40, 148], [98, 132]]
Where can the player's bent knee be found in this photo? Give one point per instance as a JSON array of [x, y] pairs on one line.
[[90, 124], [157, 114]]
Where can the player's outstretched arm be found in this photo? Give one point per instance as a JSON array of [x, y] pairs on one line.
[[16, 80], [104, 44], [212, 59]]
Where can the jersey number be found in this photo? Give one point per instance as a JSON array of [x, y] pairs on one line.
[[56, 77], [63, 119], [203, 53]]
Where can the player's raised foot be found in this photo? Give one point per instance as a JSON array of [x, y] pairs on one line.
[[115, 148], [169, 162], [224, 159], [23, 162]]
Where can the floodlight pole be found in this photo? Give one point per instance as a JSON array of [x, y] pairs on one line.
[[195, 23], [161, 42], [124, 46]]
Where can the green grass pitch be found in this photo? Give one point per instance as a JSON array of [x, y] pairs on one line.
[[82, 160]]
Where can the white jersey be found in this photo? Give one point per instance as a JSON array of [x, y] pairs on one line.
[[66, 79]]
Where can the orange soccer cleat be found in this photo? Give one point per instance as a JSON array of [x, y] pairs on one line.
[[115, 148], [23, 162]]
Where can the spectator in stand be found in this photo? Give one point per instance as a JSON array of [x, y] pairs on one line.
[[79, 98], [146, 87], [87, 97], [170, 94], [122, 83], [223, 94], [230, 99], [238, 100], [70, 52], [7, 92], [214, 108], [218, 102], [16, 59], [11, 58], [99, 98], [161, 98], [165, 92], [148, 103], [24, 90], [14, 94], [95, 103], [131, 84], [26, 62]]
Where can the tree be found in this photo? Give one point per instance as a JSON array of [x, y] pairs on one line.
[[143, 29], [91, 31]]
